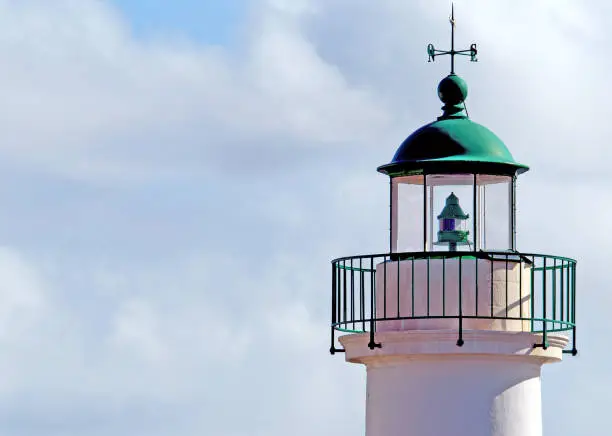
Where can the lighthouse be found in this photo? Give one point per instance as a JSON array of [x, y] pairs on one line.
[[454, 323]]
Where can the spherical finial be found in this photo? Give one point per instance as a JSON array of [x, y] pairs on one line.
[[452, 90]]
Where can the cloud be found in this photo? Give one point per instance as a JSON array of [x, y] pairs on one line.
[[171, 208], [96, 95]]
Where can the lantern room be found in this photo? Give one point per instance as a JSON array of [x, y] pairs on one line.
[[452, 183]]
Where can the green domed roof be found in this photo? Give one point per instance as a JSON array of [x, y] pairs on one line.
[[453, 143]]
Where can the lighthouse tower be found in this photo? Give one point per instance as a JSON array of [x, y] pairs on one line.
[[453, 324]]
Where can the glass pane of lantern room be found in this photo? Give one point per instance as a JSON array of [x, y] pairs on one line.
[[495, 208], [451, 204], [407, 215]]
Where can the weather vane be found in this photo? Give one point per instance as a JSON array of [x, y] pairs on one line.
[[471, 52]]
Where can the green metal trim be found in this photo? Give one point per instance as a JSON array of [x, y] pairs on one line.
[[569, 325], [446, 254], [459, 237], [354, 268]]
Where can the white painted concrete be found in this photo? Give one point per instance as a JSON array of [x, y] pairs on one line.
[[420, 383], [501, 285], [450, 396]]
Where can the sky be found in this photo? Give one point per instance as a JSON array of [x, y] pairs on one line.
[[204, 22], [175, 178]]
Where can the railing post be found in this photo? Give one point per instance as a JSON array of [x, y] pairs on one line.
[[544, 323], [521, 291], [554, 293], [475, 212], [533, 266], [425, 212], [444, 286], [506, 285], [492, 291], [568, 294], [513, 214], [372, 343], [353, 290], [561, 290], [428, 288], [398, 287], [391, 215], [361, 296], [332, 348], [384, 286], [574, 348], [460, 340], [412, 287], [476, 259], [344, 298]]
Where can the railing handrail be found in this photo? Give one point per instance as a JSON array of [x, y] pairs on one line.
[[451, 254]]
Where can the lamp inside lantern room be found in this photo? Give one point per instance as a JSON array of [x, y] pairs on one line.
[[453, 224]]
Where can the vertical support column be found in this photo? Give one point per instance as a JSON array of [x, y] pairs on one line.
[[483, 222], [475, 212], [425, 212], [512, 220], [430, 218], [480, 210], [393, 197], [332, 348]]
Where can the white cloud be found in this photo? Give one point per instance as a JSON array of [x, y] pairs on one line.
[[21, 293], [80, 94], [196, 300]]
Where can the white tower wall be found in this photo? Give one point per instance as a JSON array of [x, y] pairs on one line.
[[464, 395], [489, 288], [420, 383]]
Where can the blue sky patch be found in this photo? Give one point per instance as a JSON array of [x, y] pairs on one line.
[[206, 21]]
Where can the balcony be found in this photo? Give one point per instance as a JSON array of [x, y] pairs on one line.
[[484, 290]]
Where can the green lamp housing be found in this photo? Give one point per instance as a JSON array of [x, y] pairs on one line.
[[453, 224]]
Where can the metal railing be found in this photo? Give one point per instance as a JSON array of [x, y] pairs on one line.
[[459, 290]]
